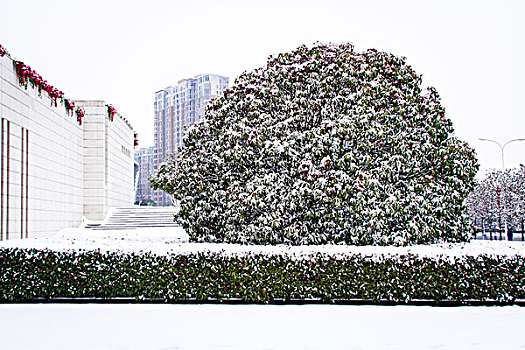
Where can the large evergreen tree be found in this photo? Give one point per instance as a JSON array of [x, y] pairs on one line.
[[323, 145]]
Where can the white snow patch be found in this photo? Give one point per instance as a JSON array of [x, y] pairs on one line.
[[162, 241]]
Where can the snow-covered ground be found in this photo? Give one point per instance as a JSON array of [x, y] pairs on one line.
[[261, 327], [175, 240]]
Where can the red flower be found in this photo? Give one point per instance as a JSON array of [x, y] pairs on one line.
[[70, 106], [80, 114], [111, 112]]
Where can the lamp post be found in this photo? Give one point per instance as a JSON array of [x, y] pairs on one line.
[[502, 149], [503, 169]]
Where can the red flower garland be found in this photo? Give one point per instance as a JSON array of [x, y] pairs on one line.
[[27, 75], [80, 114], [111, 112]]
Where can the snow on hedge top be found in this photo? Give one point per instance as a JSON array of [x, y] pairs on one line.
[[155, 241], [323, 145]]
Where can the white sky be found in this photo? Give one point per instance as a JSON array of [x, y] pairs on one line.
[[123, 51]]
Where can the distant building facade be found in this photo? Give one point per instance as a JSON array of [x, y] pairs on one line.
[[176, 108], [145, 158]]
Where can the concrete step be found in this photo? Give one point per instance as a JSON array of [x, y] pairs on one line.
[[136, 218]]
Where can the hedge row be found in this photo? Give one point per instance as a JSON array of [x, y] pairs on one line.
[[28, 274]]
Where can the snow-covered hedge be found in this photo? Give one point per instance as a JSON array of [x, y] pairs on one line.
[[323, 145], [29, 274]]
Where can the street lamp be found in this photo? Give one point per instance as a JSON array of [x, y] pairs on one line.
[[502, 149]]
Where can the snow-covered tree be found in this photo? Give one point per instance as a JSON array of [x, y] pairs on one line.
[[485, 201], [515, 186], [499, 200], [323, 145]]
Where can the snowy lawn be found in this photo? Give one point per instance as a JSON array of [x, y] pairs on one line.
[[264, 327], [175, 241]]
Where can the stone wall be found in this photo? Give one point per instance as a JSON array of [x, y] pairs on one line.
[[108, 162], [121, 188], [41, 152]]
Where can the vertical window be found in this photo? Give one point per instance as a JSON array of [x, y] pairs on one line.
[[6, 145]]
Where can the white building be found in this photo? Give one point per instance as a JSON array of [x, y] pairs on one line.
[[54, 170], [108, 162]]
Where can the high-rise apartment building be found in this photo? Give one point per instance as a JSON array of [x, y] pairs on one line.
[[177, 107], [182, 105]]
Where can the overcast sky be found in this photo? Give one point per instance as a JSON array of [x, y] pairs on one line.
[[123, 51]]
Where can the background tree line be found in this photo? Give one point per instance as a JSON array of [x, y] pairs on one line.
[[497, 203]]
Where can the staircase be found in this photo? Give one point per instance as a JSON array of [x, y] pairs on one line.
[[136, 217]]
